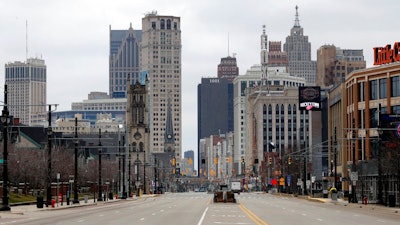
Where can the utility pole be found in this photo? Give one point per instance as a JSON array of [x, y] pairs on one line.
[[100, 197], [76, 199], [49, 135], [335, 159], [4, 118], [123, 169]]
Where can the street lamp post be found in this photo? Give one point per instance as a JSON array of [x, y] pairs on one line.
[[335, 161], [123, 169], [100, 197], [129, 171], [4, 120], [137, 163], [76, 200], [144, 172], [49, 135]]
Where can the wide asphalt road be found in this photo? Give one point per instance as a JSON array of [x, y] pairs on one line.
[[195, 208]]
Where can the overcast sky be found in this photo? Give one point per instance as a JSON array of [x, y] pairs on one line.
[[73, 37]]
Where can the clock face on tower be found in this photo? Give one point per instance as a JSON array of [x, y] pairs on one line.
[[137, 135], [169, 136]]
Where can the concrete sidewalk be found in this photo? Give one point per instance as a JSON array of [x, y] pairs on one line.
[[25, 209], [342, 202]]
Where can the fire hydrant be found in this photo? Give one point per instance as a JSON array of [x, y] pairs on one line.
[[53, 203], [365, 200]]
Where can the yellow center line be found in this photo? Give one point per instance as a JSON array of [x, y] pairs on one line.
[[257, 220]]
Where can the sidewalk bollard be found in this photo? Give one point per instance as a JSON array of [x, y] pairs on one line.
[[53, 203], [365, 200]]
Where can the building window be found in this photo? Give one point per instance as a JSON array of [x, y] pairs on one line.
[[153, 25], [361, 91], [243, 88], [162, 24], [382, 88], [396, 86], [168, 24], [374, 90]]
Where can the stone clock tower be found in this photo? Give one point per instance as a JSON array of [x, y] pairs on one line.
[[138, 133]]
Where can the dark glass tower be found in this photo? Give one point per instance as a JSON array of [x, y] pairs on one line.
[[123, 60], [215, 107]]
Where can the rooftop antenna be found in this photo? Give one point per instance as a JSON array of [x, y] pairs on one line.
[[228, 44], [26, 40], [297, 21]]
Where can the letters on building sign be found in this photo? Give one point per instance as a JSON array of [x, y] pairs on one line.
[[214, 80], [383, 55]]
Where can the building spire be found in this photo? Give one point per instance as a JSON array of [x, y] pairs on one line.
[[297, 21], [169, 130]]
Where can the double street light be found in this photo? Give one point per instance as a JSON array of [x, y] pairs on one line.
[[5, 119]]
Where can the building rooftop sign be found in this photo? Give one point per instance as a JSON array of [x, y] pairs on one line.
[[383, 55]]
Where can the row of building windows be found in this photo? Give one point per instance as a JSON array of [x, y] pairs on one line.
[[164, 24], [379, 87], [32, 73]]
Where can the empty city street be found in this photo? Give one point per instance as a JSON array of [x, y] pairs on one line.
[[198, 208]]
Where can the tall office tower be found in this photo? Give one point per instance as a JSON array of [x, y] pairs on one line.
[[27, 91], [277, 58], [228, 68], [123, 60], [333, 64], [215, 116], [299, 52], [161, 61]]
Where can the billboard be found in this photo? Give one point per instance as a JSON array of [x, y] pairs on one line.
[[310, 98], [390, 130]]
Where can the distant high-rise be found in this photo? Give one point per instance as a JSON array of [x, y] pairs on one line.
[[299, 53], [214, 116], [123, 60], [333, 64], [277, 58], [161, 61], [26, 83], [228, 68]]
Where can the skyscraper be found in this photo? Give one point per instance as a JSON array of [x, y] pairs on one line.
[[161, 61], [215, 107], [123, 60], [27, 91], [333, 64], [299, 53], [228, 68], [277, 58]]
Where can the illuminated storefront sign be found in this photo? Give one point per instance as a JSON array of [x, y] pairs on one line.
[[383, 55]]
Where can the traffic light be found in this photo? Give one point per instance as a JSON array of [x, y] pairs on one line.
[[290, 160], [173, 161], [270, 160]]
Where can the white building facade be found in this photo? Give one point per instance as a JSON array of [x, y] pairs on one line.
[[252, 78], [161, 61], [27, 91]]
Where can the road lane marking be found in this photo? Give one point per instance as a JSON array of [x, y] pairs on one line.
[[202, 217], [257, 220]]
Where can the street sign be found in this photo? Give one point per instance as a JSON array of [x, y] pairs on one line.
[[354, 176]]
